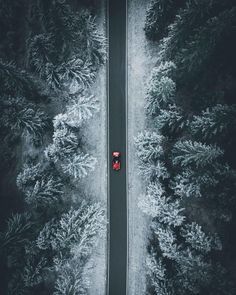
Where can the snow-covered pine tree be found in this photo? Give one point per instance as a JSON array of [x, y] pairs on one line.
[[157, 275], [190, 183], [170, 120], [214, 122], [160, 207], [189, 152], [79, 165], [159, 15], [149, 146], [161, 88], [82, 108], [153, 170], [20, 117], [199, 240], [40, 53], [93, 43], [72, 279], [75, 70], [65, 142], [75, 233], [193, 272], [45, 192], [166, 240]]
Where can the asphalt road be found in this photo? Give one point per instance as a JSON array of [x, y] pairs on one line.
[[117, 142]]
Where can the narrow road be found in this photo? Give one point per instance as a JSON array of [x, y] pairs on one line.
[[117, 142]]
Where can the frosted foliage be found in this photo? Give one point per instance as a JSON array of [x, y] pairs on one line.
[[195, 236], [77, 231], [156, 268], [191, 152], [148, 145], [155, 204], [65, 143], [72, 279], [191, 184], [78, 166], [28, 176], [82, 109], [193, 271], [44, 192], [75, 70], [167, 241], [153, 170], [171, 118], [159, 93], [214, 121]]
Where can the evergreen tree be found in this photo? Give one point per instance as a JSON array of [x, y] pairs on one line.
[[65, 143], [195, 153], [196, 237], [149, 146], [214, 122], [156, 205], [153, 170], [161, 88], [170, 120], [79, 165], [21, 118], [159, 15], [80, 110], [166, 240], [71, 279]]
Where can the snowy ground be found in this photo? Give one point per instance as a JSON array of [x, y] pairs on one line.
[[142, 56], [95, 186]]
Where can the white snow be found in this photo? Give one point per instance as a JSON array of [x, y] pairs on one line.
[[142, 56]]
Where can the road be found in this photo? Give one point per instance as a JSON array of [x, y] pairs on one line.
[[117, 260]]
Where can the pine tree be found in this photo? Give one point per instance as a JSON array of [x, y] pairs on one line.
[[76, 70], [187, 20], [79, 165], [195, 153], [196, 237], [160, 92], [170, 120], [149, 146], [17, 233], [65, 143], [21, 117], [166, 240], [44, 193], [93, 43], [158, 206], [76, 232], [159, 15], [80, 110], [194, 272], [157, 273], [40, 53], [214, 122], [29, 175], [202, 45], [192, 184], [72, 279], [17, 82], [153, 170]]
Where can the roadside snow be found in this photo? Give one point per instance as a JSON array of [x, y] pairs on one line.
[[142, 56], [95, 186]]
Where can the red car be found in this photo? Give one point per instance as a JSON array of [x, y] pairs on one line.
[[116, 161]]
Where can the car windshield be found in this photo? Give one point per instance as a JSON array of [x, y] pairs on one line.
[[116, 159]]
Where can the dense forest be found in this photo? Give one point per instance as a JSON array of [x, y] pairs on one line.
[[187, 152], [50, 54]]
